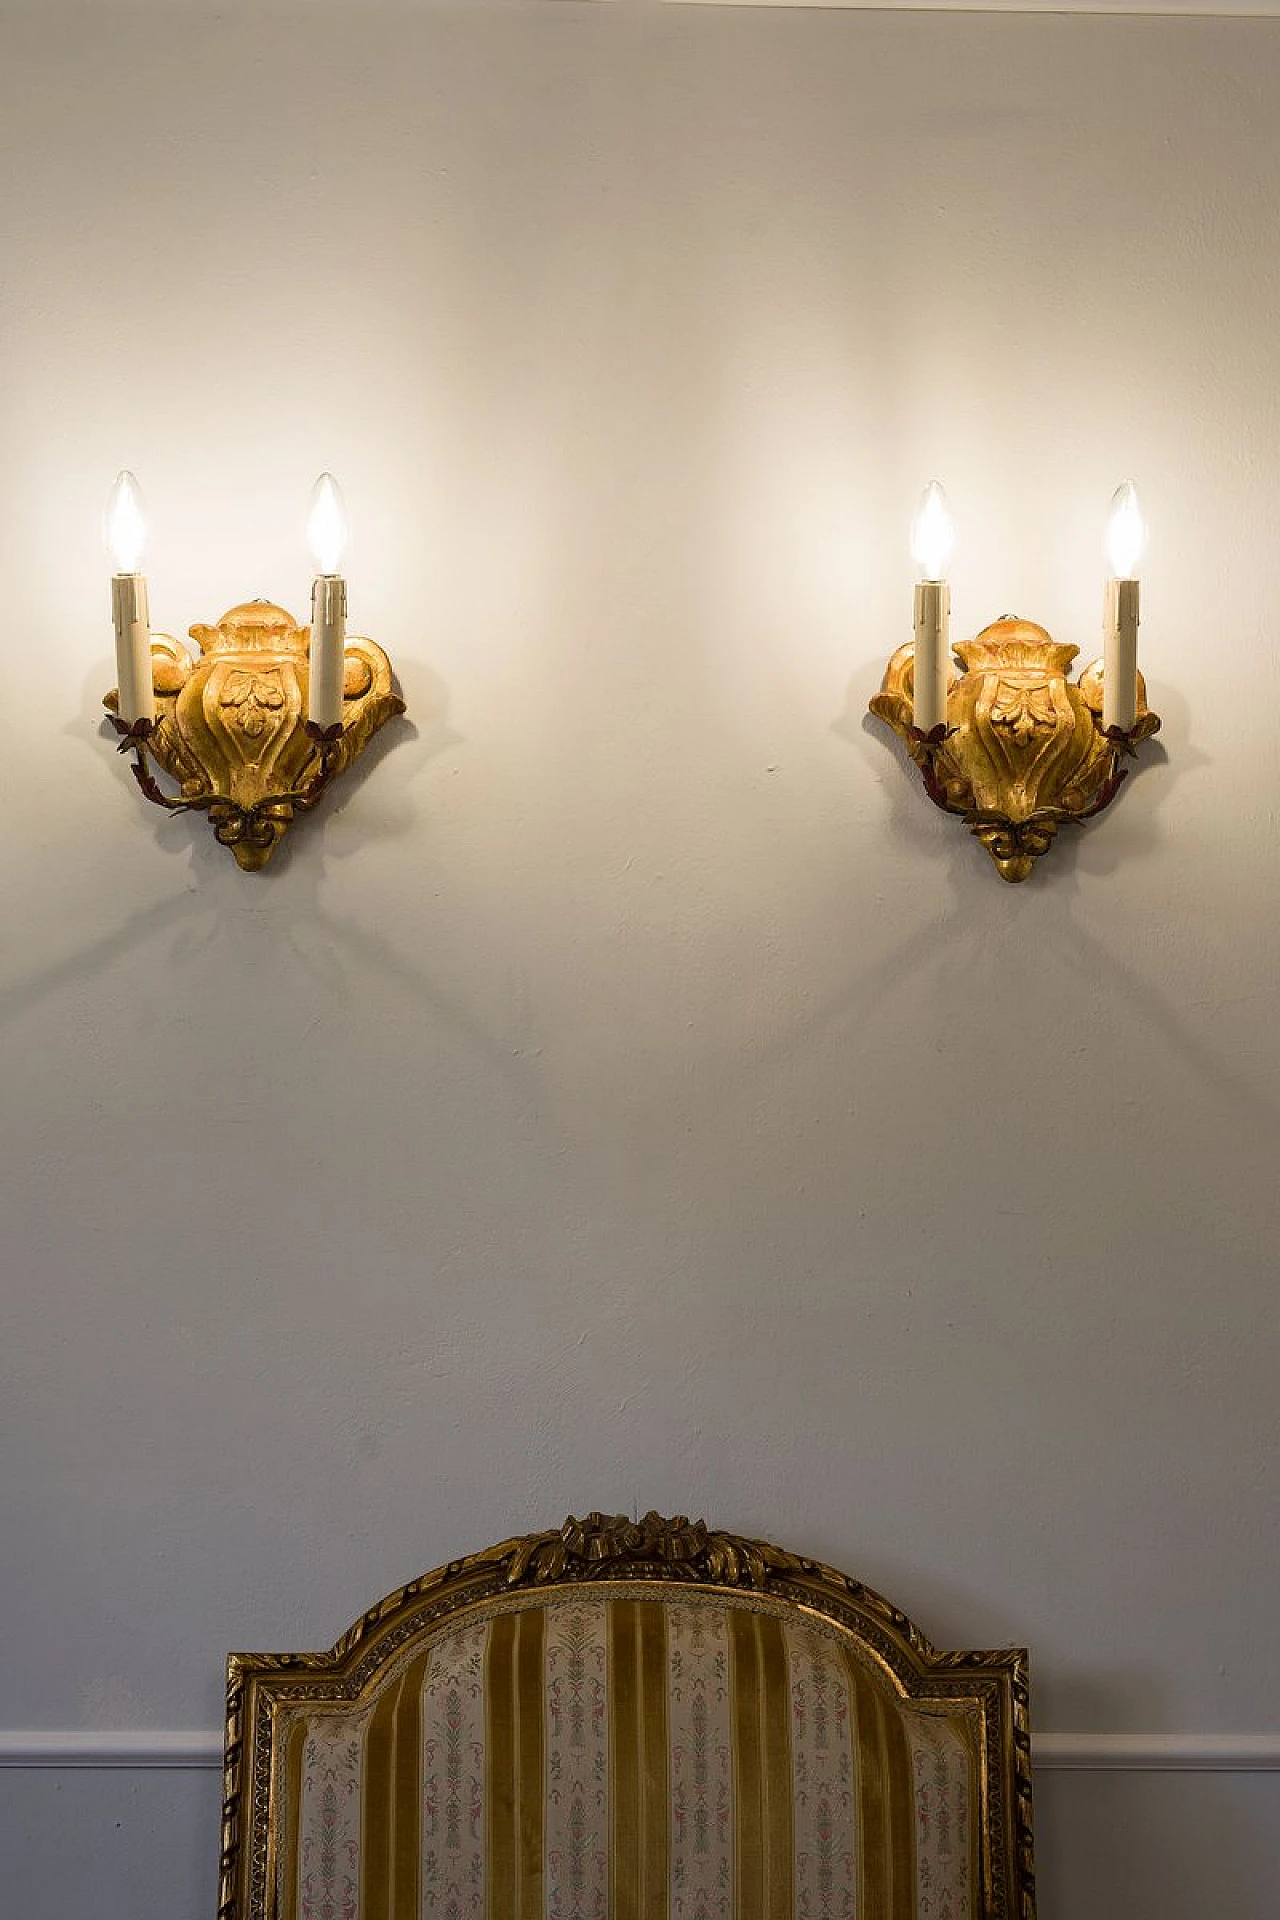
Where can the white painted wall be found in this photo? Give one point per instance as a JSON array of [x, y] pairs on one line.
[[632, 1091]]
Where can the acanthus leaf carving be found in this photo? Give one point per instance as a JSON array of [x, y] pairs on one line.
[[1022, 752], [231, 726]]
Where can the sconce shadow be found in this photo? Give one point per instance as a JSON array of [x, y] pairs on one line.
[[976, 940], [198, 915], [975, 943]]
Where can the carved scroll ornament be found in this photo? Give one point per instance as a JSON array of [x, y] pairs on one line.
[[1023, 751], [231, 730]]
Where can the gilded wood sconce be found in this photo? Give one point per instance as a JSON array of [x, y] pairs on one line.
[[1005, 740], [257, 727]]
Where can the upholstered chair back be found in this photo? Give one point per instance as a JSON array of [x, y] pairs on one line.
[[694, 1729]]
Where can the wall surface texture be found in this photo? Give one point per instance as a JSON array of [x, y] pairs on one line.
[[631, 1092]]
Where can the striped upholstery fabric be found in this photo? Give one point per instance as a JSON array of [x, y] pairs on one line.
[[619, 1754]]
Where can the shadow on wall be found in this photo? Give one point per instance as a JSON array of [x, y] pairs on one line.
[[974, 943], [315, 936]]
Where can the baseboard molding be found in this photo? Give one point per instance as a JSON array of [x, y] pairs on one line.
[[110, 1748], [1051, 1752], [1157, 1752]]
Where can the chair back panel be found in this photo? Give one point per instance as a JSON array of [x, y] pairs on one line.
[[629, 1720], [612, 1755]]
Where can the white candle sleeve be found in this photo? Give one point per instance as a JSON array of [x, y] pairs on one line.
[[328, 647], [1120, 655], [132, 619], [929, 668]]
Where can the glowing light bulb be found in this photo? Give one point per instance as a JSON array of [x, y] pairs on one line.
[[1126, 536], [933, 533], [124, 524], [327, 525]]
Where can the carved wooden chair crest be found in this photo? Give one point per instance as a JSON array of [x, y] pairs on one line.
[[628, 1721]]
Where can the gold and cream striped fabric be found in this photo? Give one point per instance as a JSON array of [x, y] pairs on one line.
[[608, 1755]]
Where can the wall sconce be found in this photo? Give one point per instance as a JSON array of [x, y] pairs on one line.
[[265, 720], [1006, 741]]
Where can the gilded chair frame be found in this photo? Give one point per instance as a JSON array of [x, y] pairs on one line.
[[264, 1688]]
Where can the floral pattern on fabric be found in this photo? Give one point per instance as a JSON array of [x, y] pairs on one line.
[[453, 1776], [329, 1822], [576, 1821], [701, 1764], [826, 1879], [579, 1792], [943, 1843]]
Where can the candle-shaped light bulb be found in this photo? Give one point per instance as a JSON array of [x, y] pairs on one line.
[[1126, 537], [327, 525], [327, 535], [932, 538], [124, 524], [933, 533], [124, 529], [1126, 533]]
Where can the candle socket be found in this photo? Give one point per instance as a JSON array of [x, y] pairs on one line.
[[929, 654], [131, 618], [326, 654], [1120, 655]]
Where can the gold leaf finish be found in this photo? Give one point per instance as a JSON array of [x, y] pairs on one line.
[[607, 1541], [1023, 753], [265, 1689], [231, 725]]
